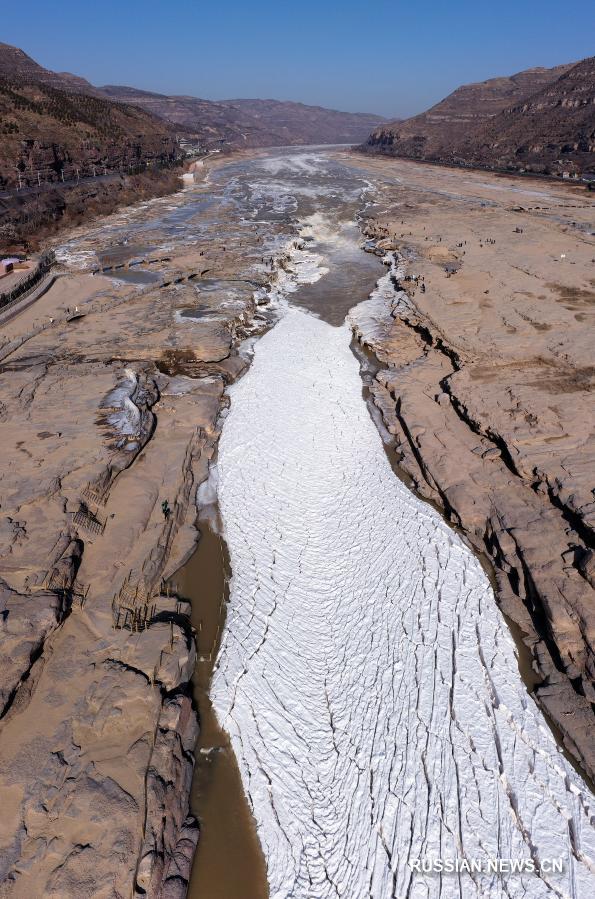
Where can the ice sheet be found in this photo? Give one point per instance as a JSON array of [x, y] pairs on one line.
[[366, 676]]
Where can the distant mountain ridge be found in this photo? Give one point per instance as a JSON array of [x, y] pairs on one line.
[[56, 123], [251, 123], [539, 120]]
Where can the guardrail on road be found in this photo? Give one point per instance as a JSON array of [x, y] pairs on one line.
[[29, 281]]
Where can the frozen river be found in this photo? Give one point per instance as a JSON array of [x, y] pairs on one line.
[[366, 677]]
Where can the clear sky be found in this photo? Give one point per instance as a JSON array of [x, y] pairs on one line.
[[393, 58]]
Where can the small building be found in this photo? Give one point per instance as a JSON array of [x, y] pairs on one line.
[[11, 265], [7, 266]]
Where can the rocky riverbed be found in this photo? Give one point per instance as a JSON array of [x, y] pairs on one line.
[[113, 386], [110, 398]]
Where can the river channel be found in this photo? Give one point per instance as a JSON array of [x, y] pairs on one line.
[[362, 706]]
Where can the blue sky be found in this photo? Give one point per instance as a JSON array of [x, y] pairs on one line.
[[393, 58]]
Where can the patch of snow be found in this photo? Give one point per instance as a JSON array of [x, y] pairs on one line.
[[206, 493], [180, 385], [366, 676]]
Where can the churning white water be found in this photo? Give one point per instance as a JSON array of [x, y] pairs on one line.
[[366, 676]]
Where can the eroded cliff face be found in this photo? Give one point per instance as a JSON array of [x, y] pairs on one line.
[[29, 220], [51, 134], [541, 120], [551, 131], [56, 131], [89, 709], [485, 383], [445, 124]]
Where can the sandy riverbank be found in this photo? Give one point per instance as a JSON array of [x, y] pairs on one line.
[[486, 384]]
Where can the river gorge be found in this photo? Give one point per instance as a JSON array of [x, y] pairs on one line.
[[377, 689]]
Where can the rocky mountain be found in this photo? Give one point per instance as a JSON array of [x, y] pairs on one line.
[[56, 123], [251, 123], [45, 133], [540, 120], [212, 123], [552, 131], [16, 65], [297, 123], [52, 126]]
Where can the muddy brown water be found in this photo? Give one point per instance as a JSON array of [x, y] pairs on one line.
[[228, 863], [351, 278]]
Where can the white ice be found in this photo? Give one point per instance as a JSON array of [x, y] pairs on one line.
[[71, 256], [305, 163], [366, 677], [125, 417]]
